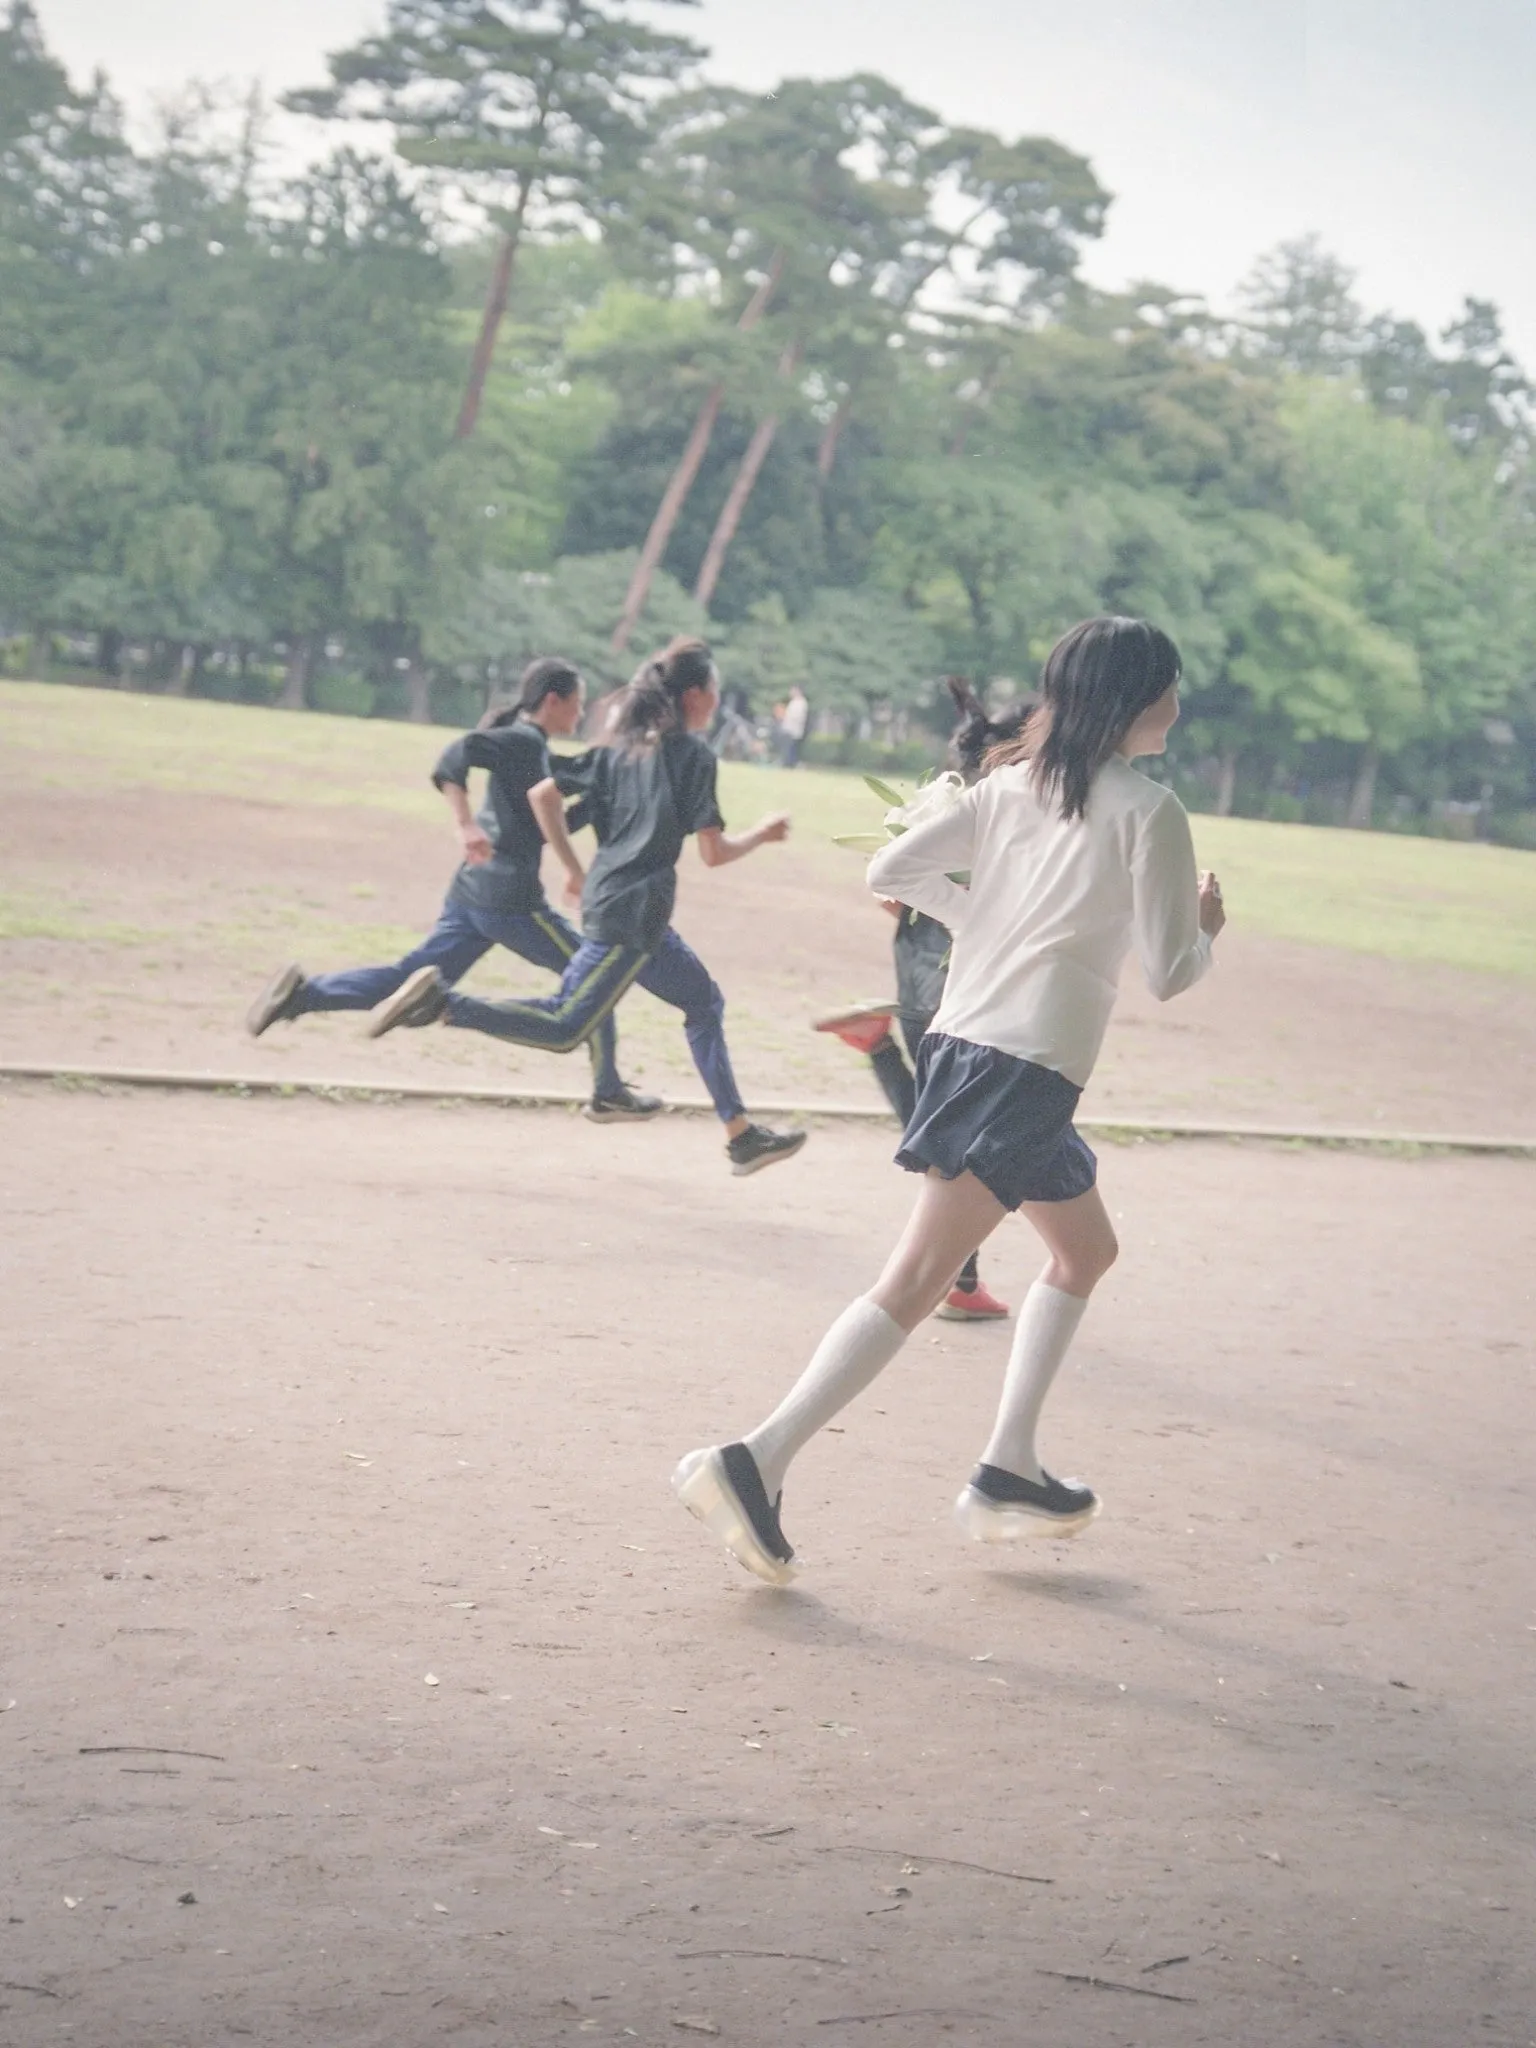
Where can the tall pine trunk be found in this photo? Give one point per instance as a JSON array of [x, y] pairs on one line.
[[490, 320], [831, 435], [1362, 798], [742, 486], [685, 475]]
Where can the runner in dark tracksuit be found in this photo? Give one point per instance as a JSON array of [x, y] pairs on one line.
[[497, 897], [644, 795]]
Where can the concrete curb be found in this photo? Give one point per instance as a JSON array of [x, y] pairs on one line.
[[1113, 1128]]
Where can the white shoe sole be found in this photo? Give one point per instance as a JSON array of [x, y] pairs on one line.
[[990, 1521], [404, 998], [945, 1314], [701, 1485], [765, 1159]]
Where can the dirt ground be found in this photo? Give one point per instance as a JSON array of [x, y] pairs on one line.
[[157, 916], [333, 1469]]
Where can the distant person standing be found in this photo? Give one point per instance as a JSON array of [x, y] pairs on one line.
[[794, 721]]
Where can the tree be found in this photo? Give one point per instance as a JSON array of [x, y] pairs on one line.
[[1440, 542], [535, 108], [508, 617], [1301, 309]]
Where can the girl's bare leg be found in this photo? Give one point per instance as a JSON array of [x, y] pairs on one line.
[[1080, 1241], [950, 1220]]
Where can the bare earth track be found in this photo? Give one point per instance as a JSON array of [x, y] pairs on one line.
[[173, 908], [362, 1685], [369, 1688]]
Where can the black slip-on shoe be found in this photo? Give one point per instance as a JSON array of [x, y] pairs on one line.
[[999, 1507], [724, 1489], [629, 1106], [420, 999], [275, 1003], [758, 1147]]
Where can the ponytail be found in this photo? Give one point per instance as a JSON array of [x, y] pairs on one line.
[[979, 734], [652, 704], [549, 676]]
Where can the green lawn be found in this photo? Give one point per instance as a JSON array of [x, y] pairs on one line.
[[1410, 899]]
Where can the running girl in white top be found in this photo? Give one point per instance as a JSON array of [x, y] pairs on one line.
[[1072, 857]]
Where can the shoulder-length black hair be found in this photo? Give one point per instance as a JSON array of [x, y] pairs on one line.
[[653, 702], [1097, 681]]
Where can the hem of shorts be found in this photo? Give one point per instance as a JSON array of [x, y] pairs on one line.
[[914, 1162]]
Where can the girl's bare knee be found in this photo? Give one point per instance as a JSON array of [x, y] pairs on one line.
[[1081, 1271]]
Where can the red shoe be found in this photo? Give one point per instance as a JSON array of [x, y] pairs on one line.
[[861, 1025], [976, 1307]]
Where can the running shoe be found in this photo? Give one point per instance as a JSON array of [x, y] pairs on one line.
[[971, 1305], [724, 1489], [420, 999], [627, 1107], [758, 1147], [275, 1003], [860, 1025], [999, 1507]]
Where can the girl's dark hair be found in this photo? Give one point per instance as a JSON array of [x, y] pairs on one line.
[[979, 732], [550, 676], [1097, 681], [652, 704]]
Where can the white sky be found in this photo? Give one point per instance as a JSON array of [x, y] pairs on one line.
[[1401, 130]]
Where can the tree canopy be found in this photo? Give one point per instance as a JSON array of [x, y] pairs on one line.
[[810, 370]]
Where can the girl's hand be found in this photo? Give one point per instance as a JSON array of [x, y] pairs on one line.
[[476, 844], [773, 829], [1212, 912], [574, 881]]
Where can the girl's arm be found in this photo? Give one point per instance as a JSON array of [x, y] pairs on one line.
[[548, 807], [916, 868], [474, 840], [1176, 912], [718, 848]]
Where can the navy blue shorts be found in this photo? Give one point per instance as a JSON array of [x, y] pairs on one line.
[[1006, 1120]]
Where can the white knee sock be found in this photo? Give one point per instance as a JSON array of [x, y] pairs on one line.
[[1047, 1324], [857, 1348]]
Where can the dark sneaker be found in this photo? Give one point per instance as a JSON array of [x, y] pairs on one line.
[[999, 1507], [627, 1107], [724, 1489], [758, 1147], [420, 999], [275, 1003]]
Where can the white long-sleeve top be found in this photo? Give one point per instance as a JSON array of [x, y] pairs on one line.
[[1052, 908]]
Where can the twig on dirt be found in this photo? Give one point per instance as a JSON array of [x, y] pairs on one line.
[[920, 1856], [771, 1834], [37, 1990], [1167, 1963], [907, 2012], [1110, 1984], [782, 1955], [148, 1749]]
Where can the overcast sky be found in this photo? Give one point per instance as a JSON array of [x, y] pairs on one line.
[[1402, 131]]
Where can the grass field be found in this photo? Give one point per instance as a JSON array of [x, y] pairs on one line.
[[1420, 900]]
